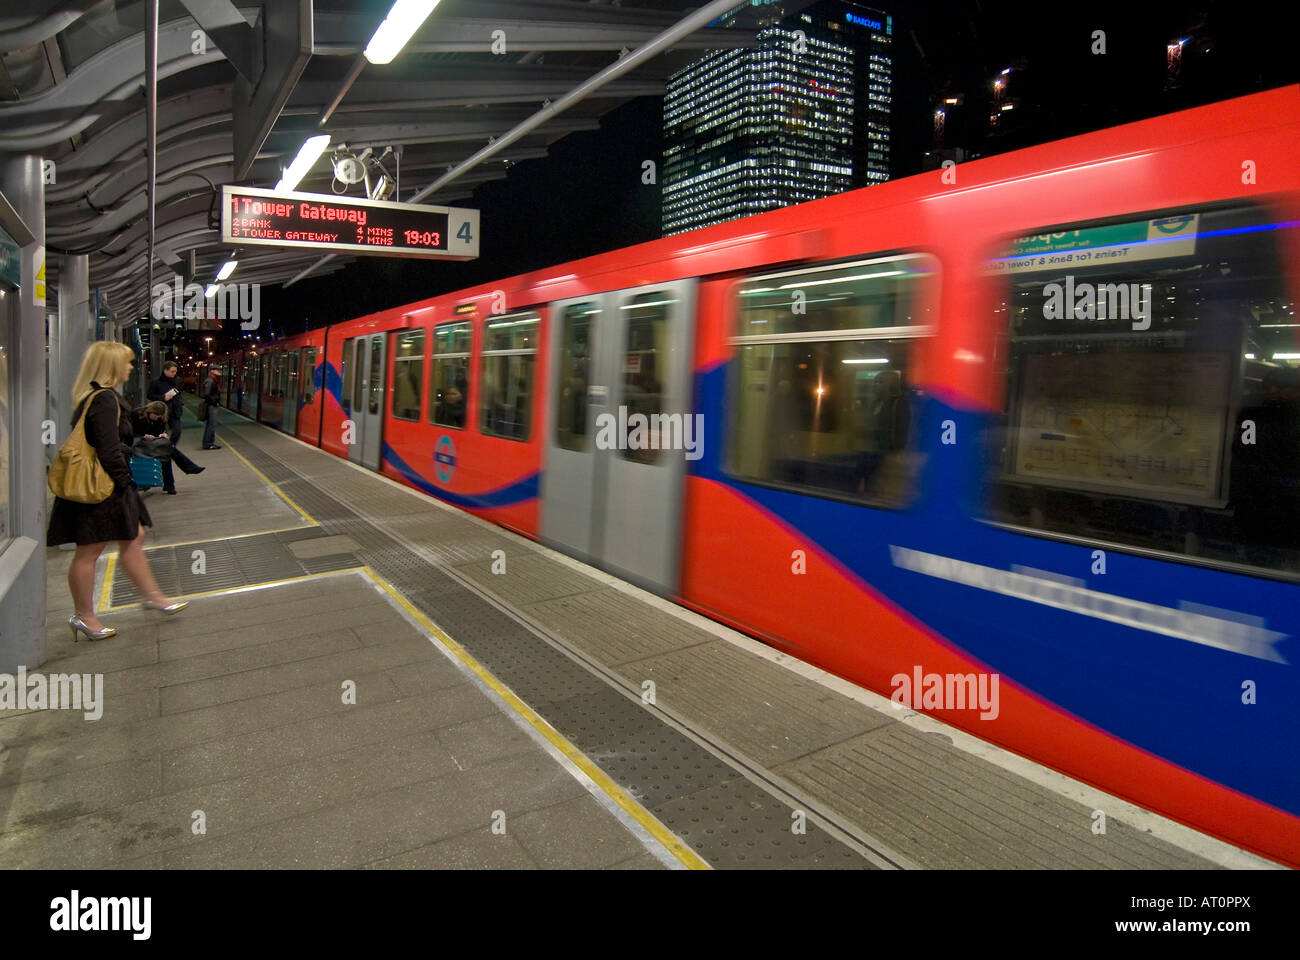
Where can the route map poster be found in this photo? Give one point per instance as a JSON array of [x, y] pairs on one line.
[[1142, 424]]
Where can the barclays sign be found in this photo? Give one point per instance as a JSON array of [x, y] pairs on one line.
[[862, 21]]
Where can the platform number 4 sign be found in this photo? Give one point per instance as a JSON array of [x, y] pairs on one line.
[[463, 232]]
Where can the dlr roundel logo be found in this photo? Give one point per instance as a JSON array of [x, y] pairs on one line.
[[444, 459]]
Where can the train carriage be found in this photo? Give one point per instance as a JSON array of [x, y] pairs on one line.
[[1026, 430]]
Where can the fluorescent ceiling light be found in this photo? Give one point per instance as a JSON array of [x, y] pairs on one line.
[[1286, 356], [210, 292], [226, 270], [871, 360], [308, 154], [398, 27]]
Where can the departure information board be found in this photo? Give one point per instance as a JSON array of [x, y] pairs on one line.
[[332, 224]]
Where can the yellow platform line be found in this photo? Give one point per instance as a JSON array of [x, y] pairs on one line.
[[266, 480], [648, 821], [233, 536], [244, 589], [106, 591]]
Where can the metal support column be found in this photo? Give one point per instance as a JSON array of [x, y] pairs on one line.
[[70, 335], [22, 560]]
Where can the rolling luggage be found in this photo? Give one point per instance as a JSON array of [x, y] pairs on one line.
[[146, 472]]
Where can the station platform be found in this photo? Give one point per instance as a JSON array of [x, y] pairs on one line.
[[354, 686]]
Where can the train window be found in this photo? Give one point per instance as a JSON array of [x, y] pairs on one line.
[[359, 377], [376, 375], [308, 374], [1153, 388], [408, 374], [450, 393], [349, 348], [509, 353], [571, 384], [821, 398], [291, 381], [643, 365]]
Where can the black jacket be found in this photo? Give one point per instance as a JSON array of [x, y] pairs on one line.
[[108, 429], [212, 392], [176, 405]]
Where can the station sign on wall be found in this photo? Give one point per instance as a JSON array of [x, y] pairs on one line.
[[255, 217]]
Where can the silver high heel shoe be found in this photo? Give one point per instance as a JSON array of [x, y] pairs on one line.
[[174, 607], [78, 626]]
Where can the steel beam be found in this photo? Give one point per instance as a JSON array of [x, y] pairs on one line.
[[225, 26]]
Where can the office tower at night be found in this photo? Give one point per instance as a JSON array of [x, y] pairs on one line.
[[803, 115]]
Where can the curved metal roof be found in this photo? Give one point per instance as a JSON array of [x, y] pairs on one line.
[[72, 81]]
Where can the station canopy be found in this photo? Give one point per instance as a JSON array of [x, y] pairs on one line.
[[72, 82]]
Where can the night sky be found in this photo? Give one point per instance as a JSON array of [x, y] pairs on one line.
[[586, 197]]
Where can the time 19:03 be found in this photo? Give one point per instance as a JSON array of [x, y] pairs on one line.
[[423, 238]]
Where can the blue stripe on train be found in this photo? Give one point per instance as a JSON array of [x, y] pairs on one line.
[[1176, 698], [508, 495]]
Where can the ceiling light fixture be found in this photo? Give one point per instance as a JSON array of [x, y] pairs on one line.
[[308, 154], [398, 27]]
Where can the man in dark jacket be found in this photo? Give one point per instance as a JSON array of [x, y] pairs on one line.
[[211, 396], [168, 389]]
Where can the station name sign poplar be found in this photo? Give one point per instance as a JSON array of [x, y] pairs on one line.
[[312, 221]]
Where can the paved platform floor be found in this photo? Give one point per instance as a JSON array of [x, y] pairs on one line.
[[233, 719], [486, 700]]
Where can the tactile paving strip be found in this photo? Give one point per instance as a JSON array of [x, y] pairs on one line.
[[726, 818], [191, 568]]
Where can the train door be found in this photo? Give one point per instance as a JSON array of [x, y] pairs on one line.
[[307, 405], [367, 412], [248, 402], [292, 392], [618, 429]]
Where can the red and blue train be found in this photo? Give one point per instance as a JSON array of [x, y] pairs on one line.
[[1034, 416]]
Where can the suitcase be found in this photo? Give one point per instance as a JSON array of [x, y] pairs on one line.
[[146, 472]]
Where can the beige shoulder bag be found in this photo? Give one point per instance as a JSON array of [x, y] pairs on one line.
[[76, 473]]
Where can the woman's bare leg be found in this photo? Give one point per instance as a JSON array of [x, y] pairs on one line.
[[81, 582], [137, 568]]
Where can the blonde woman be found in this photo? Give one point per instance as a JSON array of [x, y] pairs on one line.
[[122, 517]]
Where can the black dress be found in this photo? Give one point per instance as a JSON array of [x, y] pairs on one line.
[[108, 429]]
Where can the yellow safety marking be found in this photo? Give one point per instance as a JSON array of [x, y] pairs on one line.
[[263, 477], [106, 591], [246, 588], [666, 837], [233, 536]]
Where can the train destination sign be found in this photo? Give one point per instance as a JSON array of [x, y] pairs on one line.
[[255, 217]]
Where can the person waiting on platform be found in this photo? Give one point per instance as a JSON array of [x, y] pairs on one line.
[[151, 424], [122, 516], [168, 390], [212, 403]]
